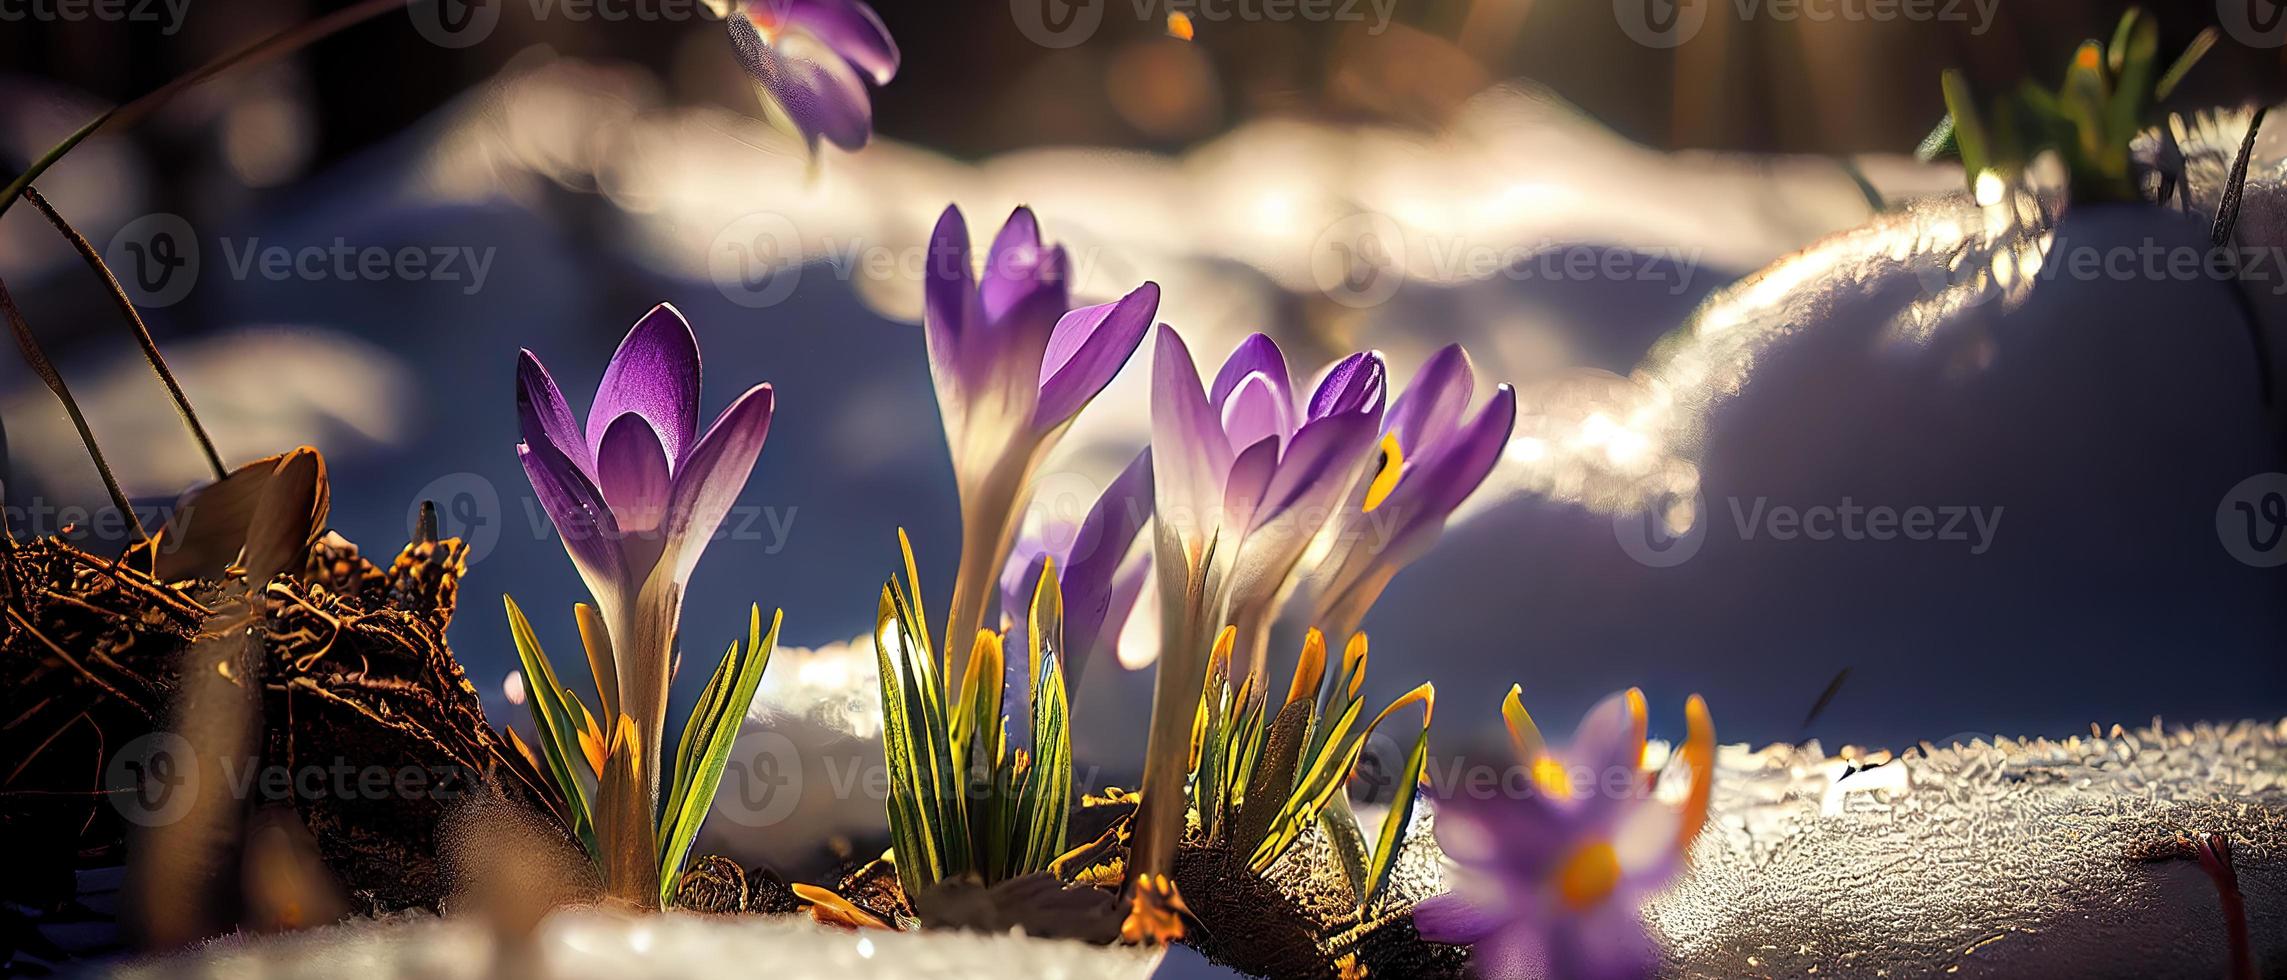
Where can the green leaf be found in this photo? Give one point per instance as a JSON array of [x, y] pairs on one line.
[[1391, 840], [553, 723], [1967, 129], [1045, 803], [2182, 66], [1272, 780], [912, 836], [698, 777]]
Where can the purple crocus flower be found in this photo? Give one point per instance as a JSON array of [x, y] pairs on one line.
[[1099, 577], [1013, 364], [812, 60], [1243, 480], [637, 493], [1254, 476], [1551, 882], [1432, 458]]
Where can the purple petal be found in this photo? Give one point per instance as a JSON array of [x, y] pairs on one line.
[[631, 470], [1520, 950], [590, 534], [1320, 466], [1456, 919], [711, 477], [1354, 385], [1099, 549], [1016, 264], [1087, 349], [1018, 580], [949, 297], [1190, 456], [1435, 484], [1257, 410], [655, 374], [851, 28], [1606, 743], [1606, 942], [819, 91], [542, 416], [1432, 403], [1257, 354], [1246, 490]]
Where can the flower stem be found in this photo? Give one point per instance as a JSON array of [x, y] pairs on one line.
[[134, 320], [46, 369]]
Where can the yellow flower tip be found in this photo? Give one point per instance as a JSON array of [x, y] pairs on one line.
[[1179, 26], [1386, 477], [592, 745], [1699, 754], [1639, 722], [1524, 736], [1310, 669], [830, 909], [1588, 875]]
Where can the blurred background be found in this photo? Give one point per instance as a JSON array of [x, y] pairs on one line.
[[1567, 186]]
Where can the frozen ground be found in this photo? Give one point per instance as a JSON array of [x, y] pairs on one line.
[[1993, 859]]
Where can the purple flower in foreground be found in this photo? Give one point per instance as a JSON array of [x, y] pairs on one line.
[[637, 492], [1432, 458], [1099, 577], [812, 60], [1551, 883], [1013, 364]]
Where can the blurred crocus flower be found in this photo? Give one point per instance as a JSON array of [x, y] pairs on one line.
[[1243, 480], [1432, 458], [1100, 579], [1550, 882], [812, 60], [636, 494], [1013, 364]]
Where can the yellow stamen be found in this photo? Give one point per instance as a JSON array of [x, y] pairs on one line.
[[1588, 875], [1179, 26], [1386, 478], [1549, 775]]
